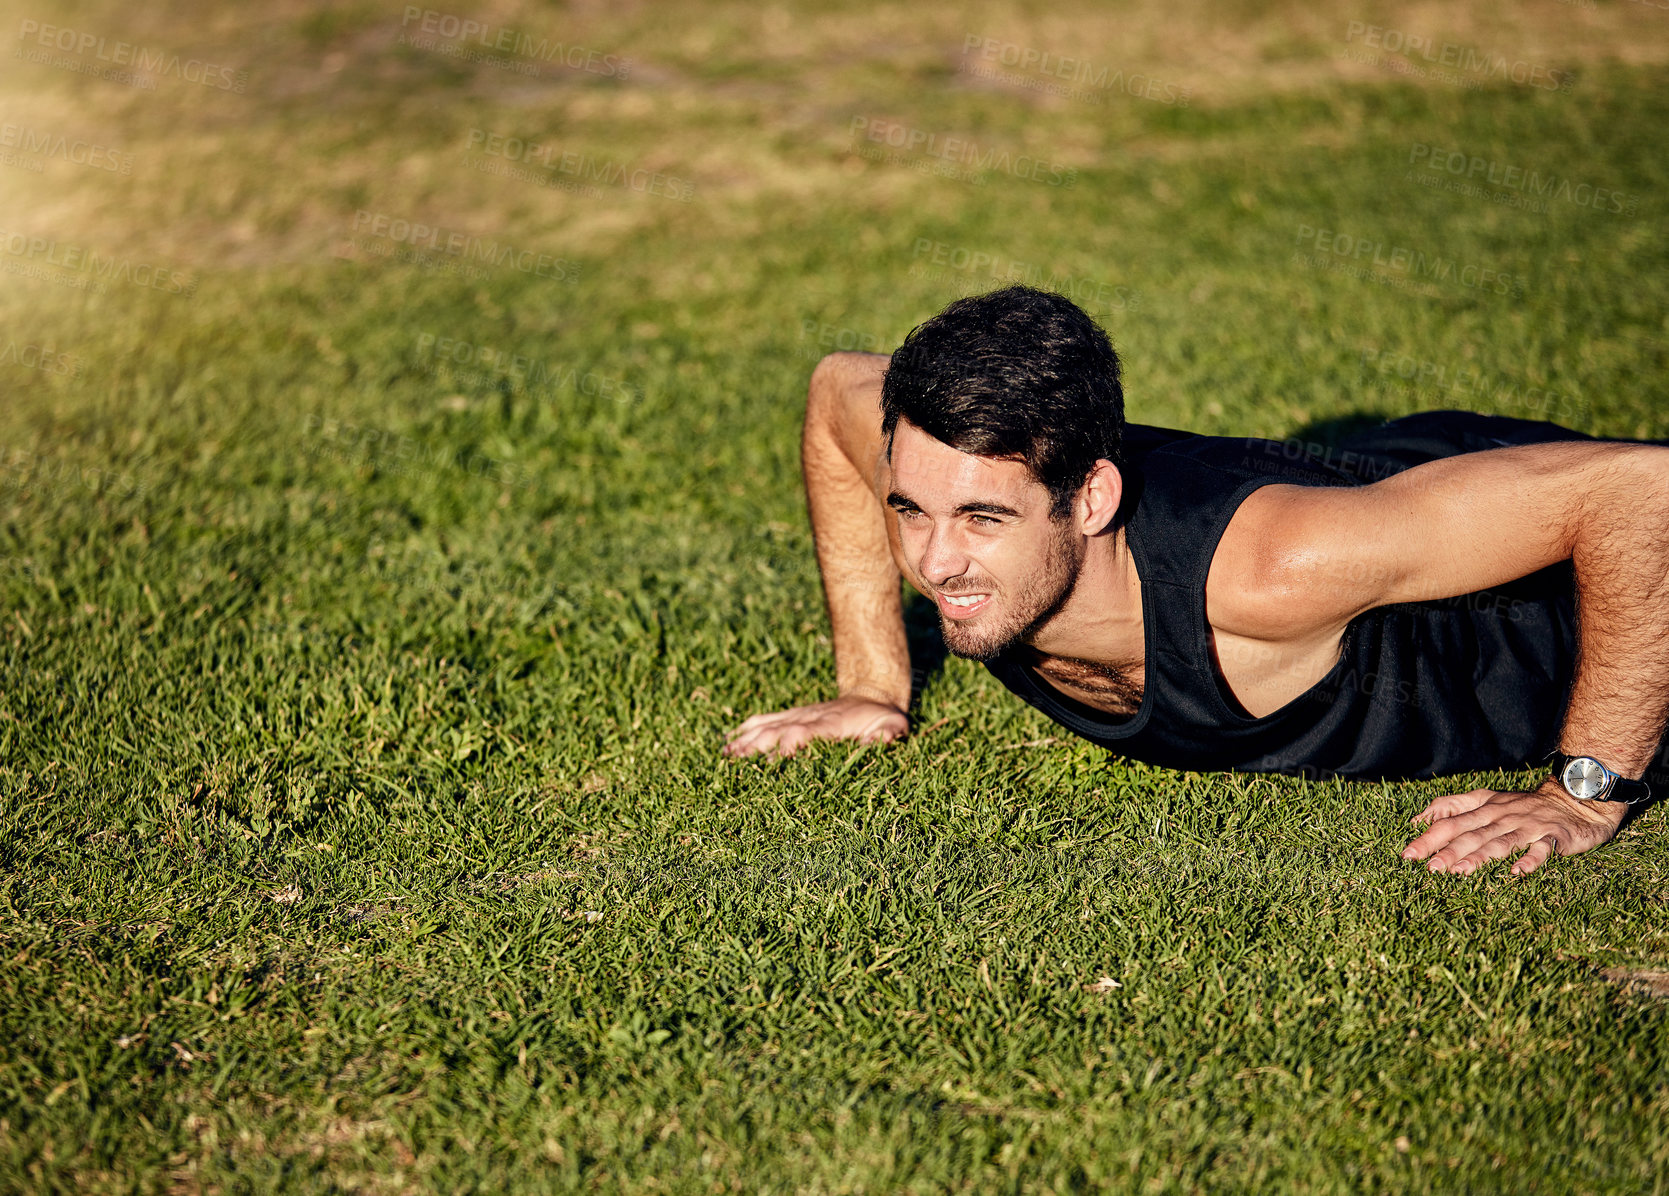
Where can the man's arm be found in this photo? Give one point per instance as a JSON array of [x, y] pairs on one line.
[[1320, 556], [840, 451]]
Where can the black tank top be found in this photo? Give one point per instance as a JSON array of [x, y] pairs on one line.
[[1420, 689]]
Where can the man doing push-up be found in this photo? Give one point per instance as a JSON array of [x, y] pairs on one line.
[[1454, 592]]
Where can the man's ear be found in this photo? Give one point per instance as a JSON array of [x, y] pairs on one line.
[[1098, 500]]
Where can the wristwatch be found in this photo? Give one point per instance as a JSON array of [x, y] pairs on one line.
[[1586, 779]]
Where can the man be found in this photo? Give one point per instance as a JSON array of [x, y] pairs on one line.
[[1457, 592]]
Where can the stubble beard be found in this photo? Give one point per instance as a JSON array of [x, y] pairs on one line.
[[1036, 600]]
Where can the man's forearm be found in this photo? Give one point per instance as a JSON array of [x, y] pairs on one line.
[[1620, 698], [860, 580]]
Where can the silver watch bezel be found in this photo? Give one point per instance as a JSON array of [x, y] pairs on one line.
[[1576, 761]]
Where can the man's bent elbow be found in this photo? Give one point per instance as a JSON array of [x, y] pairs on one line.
[[826, 384], [843, 403], [840, 376]]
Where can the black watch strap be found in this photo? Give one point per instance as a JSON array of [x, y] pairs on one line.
[[1622, 789]]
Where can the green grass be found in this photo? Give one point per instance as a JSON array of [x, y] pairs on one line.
[[362, 822]]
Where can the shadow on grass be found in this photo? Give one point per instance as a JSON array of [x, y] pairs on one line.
[[1335, 432], [927, 645]]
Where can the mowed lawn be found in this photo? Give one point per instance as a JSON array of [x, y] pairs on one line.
[[374, 603]]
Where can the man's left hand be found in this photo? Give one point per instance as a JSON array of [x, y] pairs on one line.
[[1470, 829]]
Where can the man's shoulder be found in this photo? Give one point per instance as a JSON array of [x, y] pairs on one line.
[[1261, 573], [1183, 489]]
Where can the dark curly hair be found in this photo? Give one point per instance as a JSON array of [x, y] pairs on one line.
[[1017, 373]]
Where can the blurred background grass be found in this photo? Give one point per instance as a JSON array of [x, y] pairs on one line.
[[368, 626]]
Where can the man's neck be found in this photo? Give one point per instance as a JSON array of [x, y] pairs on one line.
[[1100, 623]]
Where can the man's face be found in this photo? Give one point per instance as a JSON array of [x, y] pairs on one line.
[[977, 536]]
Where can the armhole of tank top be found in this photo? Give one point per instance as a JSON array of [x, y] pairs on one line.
[[1221, 695]]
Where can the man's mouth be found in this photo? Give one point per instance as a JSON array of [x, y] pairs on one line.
[[962, 606]]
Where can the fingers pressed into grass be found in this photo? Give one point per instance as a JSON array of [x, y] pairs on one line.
[[1469, 852], [768, 741], [761, 733], [1452, 804], [784, 732], [1537, 854], [1443, 831], [1470, 843]]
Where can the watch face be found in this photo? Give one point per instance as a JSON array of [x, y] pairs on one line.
[[1584, 778]]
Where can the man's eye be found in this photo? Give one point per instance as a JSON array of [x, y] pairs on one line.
[[985, 520]]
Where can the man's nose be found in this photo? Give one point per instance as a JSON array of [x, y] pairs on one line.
[[941, 559]]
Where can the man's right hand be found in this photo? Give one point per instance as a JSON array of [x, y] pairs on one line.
[[784, 732], [844, 460]]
